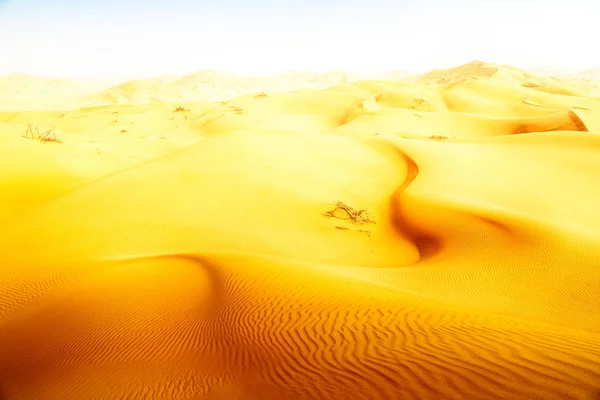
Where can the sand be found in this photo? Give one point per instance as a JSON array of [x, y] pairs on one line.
[[200, 254]]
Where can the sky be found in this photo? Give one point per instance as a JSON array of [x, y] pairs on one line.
[[143, 38]]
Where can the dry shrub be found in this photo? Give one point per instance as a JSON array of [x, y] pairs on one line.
[[33, 132], [420, 104], [180, 109], [260, 95], [438, 137], [358, 216], [236, 109], [417, 102]]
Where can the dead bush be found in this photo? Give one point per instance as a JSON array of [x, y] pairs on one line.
[[33, 132], [352, 214], [438, 137]]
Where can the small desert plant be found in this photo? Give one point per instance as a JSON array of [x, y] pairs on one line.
[[123, 130], [418, 104], [33, 132], [260, 95], [438, 137], [238, 110], [49, 136], [180, 109], [114, 122], [358, 216]]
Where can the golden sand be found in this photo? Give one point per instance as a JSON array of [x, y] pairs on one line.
[[432, 238]]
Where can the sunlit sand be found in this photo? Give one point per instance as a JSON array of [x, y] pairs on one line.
[[434, 237]]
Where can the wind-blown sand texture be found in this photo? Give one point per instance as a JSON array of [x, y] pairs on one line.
[[199, 254]]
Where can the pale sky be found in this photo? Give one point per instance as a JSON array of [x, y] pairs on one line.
[[149, 37]]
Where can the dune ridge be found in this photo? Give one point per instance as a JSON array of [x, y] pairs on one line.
[[198, 253]]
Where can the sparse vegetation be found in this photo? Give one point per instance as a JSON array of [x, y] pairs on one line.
[[123, 131], [419, 103], [114, 122], [344, 211], [180, 109], [438, 137], [238, 110], [49, 135], [260, 95]]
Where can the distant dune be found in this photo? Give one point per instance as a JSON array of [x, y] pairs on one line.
[[22, 92], [550, 71], [591, 74], [208, 85], [302, 236]]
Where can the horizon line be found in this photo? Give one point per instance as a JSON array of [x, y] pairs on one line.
[[133, 76]]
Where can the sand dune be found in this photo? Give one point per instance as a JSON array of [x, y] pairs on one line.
[[22, 92], [209, 85], [200, 253], [590, 74]]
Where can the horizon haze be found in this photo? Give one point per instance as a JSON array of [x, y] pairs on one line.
[[145, 39]]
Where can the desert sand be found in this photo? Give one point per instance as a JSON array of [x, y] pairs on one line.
[[197, 248]]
